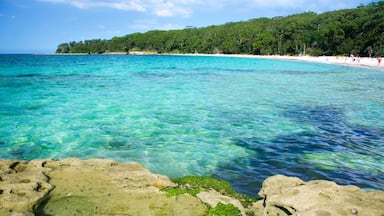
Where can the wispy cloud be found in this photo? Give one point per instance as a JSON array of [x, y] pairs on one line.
[[148, 24], [5, 16], [300, 5], [185, 8], [168, 9], [133, 5], [156, 7]]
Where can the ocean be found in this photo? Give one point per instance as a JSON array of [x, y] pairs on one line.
[[237, 119]]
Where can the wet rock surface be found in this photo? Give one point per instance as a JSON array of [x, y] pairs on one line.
[[105, 187]]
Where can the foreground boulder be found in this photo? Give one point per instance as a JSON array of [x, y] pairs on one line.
[[291, 196]]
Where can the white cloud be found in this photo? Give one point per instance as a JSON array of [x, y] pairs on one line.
[[275, 3], [168, 9], [157, 7], [150, 24], [169, 26], [125, 5], [300, 5], [185, 8], [133, 5]]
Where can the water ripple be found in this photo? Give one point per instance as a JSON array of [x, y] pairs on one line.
[[235, 118]]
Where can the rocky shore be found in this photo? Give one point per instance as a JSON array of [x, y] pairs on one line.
[[105, 187]]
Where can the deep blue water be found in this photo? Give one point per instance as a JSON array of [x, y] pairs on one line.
[[238, 119]]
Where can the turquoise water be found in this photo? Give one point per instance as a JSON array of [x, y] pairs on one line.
[[237, 119]]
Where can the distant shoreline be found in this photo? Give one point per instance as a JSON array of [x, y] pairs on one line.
[[339, 60]]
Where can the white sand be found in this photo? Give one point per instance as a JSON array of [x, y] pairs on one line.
[[348, 61]]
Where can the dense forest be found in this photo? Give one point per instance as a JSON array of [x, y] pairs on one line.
[[358, 31]]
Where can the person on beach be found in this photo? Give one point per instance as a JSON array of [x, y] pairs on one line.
[[378, 61], [353, 58]]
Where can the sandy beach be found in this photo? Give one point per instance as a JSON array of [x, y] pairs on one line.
[[348, 61]]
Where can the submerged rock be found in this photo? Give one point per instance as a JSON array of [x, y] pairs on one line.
[[105, 187], [291, 196]]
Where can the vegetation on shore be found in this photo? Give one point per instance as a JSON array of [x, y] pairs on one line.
[[193, 185], [342, 32]]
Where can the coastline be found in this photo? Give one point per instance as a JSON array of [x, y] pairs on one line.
[[365, 62]]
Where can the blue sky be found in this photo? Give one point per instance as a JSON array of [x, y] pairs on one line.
[[38, 26]]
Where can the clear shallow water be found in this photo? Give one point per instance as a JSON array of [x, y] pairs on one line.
[[234, 118]]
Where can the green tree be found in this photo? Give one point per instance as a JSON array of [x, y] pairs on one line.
[[342, 32]]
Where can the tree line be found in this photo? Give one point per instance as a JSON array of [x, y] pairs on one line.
[[357, 31]]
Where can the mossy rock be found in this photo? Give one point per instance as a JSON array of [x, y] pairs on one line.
[[195, 184], [224, 210], [176, 191], [204, 182]]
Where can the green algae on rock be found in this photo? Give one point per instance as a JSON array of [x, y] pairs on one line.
[[224, 210], [205, 182], [221, 186], [176, 191], [218, 195]]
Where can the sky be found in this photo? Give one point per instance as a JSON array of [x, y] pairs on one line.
[[39, 26]]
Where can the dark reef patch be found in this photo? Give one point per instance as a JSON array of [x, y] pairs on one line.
[[286, 154]]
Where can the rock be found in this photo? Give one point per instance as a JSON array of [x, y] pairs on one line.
[[290, 196], [88, 187], [213, 198], [23, 186], [105, 187]]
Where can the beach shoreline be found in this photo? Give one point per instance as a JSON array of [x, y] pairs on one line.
[[339, 60], [365, 62]]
